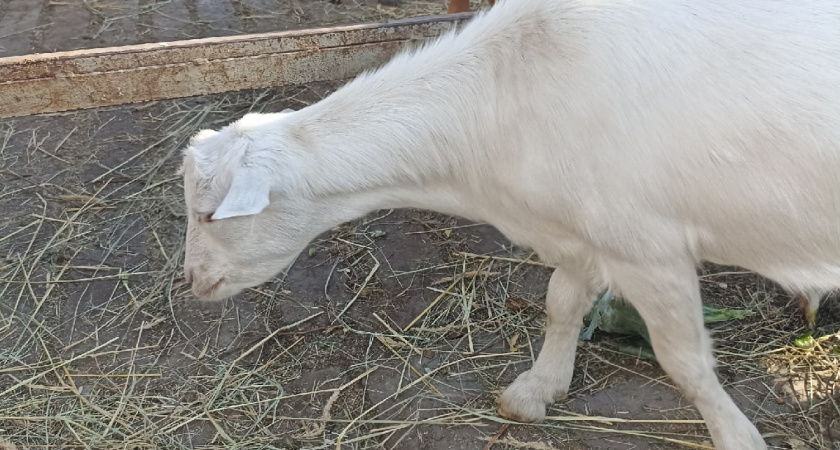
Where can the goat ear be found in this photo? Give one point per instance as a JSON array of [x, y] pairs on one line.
[[202, 135], [248, 195]]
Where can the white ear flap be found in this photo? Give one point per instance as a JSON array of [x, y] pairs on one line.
[[248, 195], [202, 135]]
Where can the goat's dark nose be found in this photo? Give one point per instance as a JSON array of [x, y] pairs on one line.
[[188, 274]]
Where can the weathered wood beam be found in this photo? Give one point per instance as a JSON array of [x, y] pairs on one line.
[[65, 81]]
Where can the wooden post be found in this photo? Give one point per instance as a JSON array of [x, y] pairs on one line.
[[461, 6], [458, 6], [65, 81]]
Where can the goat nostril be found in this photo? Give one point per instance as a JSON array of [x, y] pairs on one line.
[[188, 274]]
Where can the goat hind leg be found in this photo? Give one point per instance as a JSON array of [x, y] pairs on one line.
[[670, 305]]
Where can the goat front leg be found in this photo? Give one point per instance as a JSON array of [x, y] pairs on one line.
[[569, 297], [670, 304]]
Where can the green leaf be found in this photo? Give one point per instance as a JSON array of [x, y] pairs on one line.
[[714, 315], [615, 315], [804, 341]]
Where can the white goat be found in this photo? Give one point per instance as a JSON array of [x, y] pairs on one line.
[[625, 141]]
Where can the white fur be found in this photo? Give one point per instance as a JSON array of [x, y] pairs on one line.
[[625, 141]]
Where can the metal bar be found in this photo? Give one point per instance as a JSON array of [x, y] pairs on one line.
[[81, 79]]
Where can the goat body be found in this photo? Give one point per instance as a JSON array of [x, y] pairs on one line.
[[624, 141]]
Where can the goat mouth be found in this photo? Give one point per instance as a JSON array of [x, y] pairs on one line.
[[208, 293]]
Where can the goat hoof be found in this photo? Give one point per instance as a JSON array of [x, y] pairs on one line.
[[525, 400], [522, 411]]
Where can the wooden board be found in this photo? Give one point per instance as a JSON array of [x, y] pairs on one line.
[[64, 81]]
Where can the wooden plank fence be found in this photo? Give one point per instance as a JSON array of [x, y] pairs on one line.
[[81, 79]]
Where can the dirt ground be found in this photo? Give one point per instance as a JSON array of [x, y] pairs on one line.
[[396, 331]]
